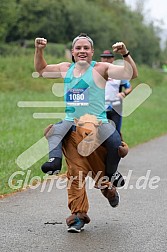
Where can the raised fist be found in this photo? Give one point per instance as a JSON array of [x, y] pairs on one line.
[[120, 47], [40, 42]]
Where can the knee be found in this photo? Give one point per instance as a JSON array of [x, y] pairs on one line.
[[48, 130]]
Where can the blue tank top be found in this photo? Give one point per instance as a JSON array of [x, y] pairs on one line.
[[83, 96]]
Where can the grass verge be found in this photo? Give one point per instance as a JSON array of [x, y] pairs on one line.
[[19, 130]]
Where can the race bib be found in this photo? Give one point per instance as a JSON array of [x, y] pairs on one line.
[[77, 97]]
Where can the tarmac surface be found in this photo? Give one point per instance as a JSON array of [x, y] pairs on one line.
[[34, 220]]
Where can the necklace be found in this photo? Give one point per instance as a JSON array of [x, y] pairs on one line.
[[80, 71]]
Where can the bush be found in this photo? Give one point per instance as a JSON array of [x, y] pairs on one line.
[[26, 47]]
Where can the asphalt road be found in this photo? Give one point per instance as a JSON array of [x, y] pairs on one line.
[[35, 221]]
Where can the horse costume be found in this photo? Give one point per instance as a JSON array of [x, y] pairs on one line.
[[84, 156]]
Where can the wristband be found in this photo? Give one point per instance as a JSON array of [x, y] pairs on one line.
[[125, 55]]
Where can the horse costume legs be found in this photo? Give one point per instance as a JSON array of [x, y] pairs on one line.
[[78, 169]]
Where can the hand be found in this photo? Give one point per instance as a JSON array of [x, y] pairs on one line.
[[121, 95], [120, 47], [40, 43]]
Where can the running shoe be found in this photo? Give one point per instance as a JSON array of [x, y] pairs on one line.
[[77, 226]]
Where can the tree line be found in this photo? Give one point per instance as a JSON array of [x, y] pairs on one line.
[[106, 22]]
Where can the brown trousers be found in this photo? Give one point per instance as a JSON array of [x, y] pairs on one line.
[[78, 168]]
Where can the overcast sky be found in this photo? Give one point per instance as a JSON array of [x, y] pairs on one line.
[[156, 9]]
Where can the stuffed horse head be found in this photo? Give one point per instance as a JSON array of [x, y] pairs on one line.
[[87, 129]]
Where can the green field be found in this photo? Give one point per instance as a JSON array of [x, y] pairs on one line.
[[19, 130]]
